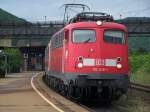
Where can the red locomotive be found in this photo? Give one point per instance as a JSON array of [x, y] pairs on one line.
[[88, 58]]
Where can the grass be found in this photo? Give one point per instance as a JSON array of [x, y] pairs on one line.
[[135, 101], [140, 67]]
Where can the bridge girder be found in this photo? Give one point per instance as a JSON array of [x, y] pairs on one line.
[[43, 31]]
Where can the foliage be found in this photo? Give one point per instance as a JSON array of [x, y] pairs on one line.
[[138, 60], [6, 17], [140, 67], [14, 59]]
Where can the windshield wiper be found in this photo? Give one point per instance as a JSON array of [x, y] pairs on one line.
[[87, 40]]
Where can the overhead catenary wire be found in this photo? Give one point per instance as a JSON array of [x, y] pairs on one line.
[[76, 6]]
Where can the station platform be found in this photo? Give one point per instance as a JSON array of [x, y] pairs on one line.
[[17, 95]]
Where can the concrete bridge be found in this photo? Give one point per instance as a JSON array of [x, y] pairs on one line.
[[38, 34], [27, 34], [30, 38]]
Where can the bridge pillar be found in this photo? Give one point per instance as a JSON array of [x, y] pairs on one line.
[[25, 63]]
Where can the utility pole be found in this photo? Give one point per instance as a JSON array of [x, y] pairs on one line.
[[120, 16], [45, 19]]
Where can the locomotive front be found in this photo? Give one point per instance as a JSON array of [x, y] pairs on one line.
[[96, 59], [88, 58]]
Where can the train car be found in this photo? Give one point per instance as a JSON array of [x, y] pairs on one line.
[[88, 58]]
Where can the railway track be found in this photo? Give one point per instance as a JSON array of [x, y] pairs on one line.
[[102, 107], [140, 87], [114, 107]]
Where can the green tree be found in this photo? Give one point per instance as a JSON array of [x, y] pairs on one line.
[[14, 59]]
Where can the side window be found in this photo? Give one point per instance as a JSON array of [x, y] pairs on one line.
[[57, 41], [61, 39], [66, 36], [114, 36], [52, 42]]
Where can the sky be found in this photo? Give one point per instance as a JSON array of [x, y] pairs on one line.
[[39, 10]]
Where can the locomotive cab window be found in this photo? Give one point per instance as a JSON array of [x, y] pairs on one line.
[[83, 36], [114, 36]]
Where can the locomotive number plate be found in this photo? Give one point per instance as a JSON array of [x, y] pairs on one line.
[[110, 62], [99, 62], [89, 62]]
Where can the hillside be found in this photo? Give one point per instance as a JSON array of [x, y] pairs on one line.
[[6, 17]]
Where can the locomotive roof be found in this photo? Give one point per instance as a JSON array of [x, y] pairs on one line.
[[94, 25], [91, 16]]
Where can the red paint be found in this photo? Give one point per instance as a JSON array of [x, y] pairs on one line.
[[95, 50]]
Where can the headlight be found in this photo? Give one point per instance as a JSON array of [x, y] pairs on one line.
[[99, 23], [80, 65], [119, 66]]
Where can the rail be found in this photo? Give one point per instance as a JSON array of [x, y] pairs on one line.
[[140, 87]]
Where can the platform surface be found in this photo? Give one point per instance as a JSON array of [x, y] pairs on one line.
[[17, 95]]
